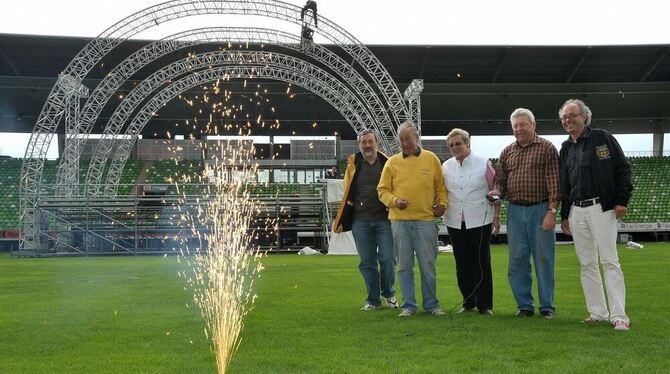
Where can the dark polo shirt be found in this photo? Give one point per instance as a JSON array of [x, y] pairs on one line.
[[367, 206], [580, 169]]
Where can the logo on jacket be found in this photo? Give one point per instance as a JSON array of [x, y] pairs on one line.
[[603, 152]]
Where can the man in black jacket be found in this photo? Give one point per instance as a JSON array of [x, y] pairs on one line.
[[361, 212], [596, 185]]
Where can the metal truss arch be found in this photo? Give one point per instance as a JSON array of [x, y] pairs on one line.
[[413, 96], [56, 103], [171, 10], [145, 55], [296, 77], [202, 61]]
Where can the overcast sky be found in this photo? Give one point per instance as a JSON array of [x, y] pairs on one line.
[[484, 22]]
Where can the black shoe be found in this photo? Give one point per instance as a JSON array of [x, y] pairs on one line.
[[548, 314], [524, 313]]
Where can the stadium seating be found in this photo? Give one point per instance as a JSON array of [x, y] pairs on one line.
[[651, 197], [162, 172], [131, 171], [341, 167], [9, 183], [650, 202]]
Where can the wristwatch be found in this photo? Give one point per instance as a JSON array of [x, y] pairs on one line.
[[553, 210]]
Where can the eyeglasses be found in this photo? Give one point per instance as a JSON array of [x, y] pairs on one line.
[[456, 144], [566, 117]]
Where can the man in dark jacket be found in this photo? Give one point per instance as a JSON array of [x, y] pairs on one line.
[[362, 213], [596, 183]]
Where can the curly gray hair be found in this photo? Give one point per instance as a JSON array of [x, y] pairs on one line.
[[586, 111]]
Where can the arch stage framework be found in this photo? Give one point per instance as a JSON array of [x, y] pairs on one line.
[[358, 86], [175, 42], [293, 76], [322, 83], [365, 77]]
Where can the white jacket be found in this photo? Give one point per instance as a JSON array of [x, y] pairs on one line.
[[467, 188]]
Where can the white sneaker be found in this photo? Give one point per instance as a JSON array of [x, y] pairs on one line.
[[368, 307], [590, 320], [436, 312], [621, 325], [465, 310], [406, 313], [392, 302]]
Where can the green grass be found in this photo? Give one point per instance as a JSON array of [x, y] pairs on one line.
[[129, 315]]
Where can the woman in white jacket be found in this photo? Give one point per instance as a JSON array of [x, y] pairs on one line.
[[471, 219]]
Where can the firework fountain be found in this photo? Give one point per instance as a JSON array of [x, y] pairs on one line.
[[224, 215], [224, 264]]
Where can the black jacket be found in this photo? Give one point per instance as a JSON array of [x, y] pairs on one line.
[[608, 169]]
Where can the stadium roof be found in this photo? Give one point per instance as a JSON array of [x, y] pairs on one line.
[[475, 87]]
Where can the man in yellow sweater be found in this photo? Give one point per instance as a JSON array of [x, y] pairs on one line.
[[412, 187]]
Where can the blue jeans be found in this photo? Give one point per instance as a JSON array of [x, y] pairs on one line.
[[527, 238], [420, 237], [374, 243]]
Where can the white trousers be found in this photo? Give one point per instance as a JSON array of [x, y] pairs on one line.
[[594, 233]]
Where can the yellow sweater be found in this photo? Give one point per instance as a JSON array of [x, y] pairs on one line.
[[416, 179]]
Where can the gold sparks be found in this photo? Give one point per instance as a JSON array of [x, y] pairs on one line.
[[225, 218], [224, 263]]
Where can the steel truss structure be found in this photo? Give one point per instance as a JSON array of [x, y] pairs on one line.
[[201, 62], [413, 96], [307, 77], [361, 90]]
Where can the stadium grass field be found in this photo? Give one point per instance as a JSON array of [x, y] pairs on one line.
[[130, 315]]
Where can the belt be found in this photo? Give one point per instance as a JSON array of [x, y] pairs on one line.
[[528, 204], [587, 202]]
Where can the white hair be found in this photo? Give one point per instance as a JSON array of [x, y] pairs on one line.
[[518, 112]]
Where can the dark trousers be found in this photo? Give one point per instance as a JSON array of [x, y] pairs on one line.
[[472, 252]]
